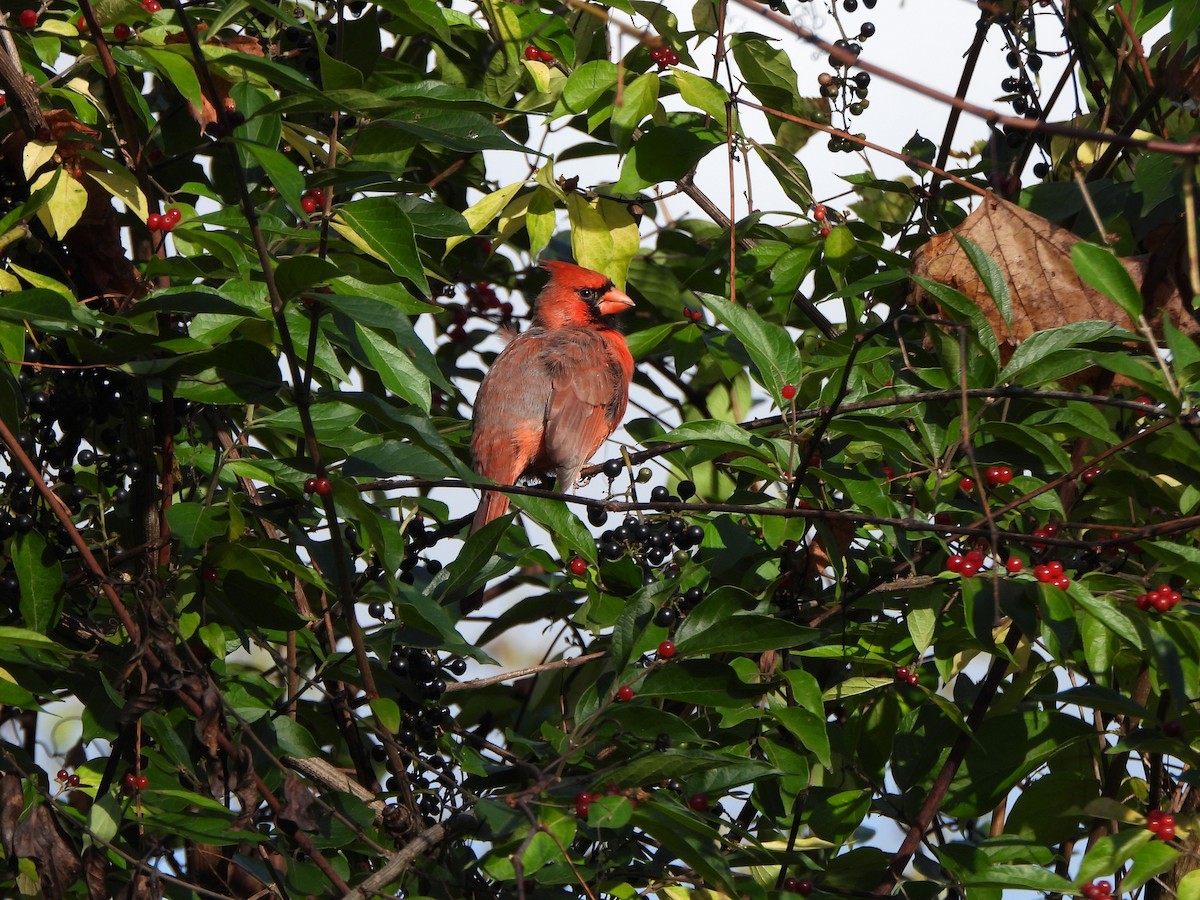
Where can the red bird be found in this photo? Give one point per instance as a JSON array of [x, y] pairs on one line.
[[557, 391]]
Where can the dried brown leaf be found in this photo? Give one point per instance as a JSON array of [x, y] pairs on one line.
[[1035, 256]]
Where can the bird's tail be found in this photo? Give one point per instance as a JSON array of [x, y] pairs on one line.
[[493, 505]]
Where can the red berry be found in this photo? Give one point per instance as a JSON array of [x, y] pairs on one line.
[[310, 485], [788, 391], [967, 485], [666, 650], [62, 775], [172, 215], [142, 782], [122, 32], [1161, 602], [129, 782], [625, 693], [73, 781], [546, 56], [969, 569], [1014, 565], [1090, 474], [531, 52], [824, 232], [954, 563], [318, 194], [1166, 833], [998, 475], [308, 204], [151, 6], [323, 486], [28, 18], [578, 566], [210, 574], [975, 556], [154, 222], [903, 673], [581, 809], [1062, 582], [3, 98], [1054, 567], [819, 212], [804, 887], [1173, 728], [698, 802], [81, 24], [789, 884]]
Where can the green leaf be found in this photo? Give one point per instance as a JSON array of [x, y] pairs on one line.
[[1027, 877], [704, 94], [1041, 344], [990, 274], [587, 83], [281, 171], [195, 524], [789, 172], [40, 575], [746, 634], [1102, 271], [637, 102], [570, 535], [1189, 886], [769, 346], [394, 366], [665, 153], [706, 682], [179, 71], [380, 227]]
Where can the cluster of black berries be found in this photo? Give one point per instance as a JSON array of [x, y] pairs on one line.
[[422, 678], [667, 616], [847, 92], [649, 541]]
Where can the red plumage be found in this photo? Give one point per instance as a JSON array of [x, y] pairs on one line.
[[557, 391]]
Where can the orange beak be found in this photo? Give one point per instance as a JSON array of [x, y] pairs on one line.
[[613, 302]]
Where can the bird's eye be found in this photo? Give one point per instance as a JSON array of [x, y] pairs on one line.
[[589, 295]]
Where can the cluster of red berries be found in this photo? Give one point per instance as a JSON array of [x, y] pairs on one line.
[[1096, 890], [481, 297], [164, 221], [532, 53], [1051, 572], [693, 315], [907, 676], [664, 56], [70, 779], [801, 886], [28, 18], [1047, 530], [994, 475], [323, 487], [821, 214], [132, 783], [1161, 598], [313, 200], [1161, 824], [966, 565]]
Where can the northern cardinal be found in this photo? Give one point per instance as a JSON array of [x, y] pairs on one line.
[[557, 391]]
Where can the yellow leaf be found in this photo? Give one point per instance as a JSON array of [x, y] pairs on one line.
[[541, 219], [35, 155], [481, 213], [591, 241], [512, 219], [626, 239], [66, 204], [545, 177], [541, 74], [122, 185]]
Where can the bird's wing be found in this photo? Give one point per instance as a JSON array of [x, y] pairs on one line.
[[587, 400]]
